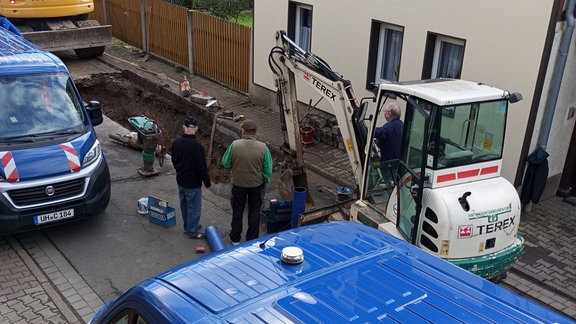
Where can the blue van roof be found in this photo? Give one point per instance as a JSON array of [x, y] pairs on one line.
[[351, 272], [19, 56]]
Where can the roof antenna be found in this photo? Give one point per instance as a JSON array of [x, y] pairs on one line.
[[263, 244]]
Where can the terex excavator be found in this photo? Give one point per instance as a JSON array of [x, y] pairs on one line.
[[59, 25], [448, 196]]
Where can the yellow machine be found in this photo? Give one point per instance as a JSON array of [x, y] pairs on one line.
[[58, 25]]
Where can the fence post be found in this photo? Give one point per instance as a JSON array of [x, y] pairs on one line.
[[144, 30], [189, 29], [105, 12]]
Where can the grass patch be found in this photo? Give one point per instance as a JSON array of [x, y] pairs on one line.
[[244, 19]]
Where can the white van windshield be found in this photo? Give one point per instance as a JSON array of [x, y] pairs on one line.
[[38, 104]]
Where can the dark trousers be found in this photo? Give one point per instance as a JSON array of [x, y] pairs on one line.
[[238, 201], [389, 170]]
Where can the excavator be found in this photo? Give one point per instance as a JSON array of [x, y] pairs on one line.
[[447, 195], [59, 25]]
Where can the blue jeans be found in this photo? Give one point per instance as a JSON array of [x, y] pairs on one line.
[[190, 206]]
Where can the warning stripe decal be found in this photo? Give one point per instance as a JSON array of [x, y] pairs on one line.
[[466, 174], [72, 156], [9, 166]]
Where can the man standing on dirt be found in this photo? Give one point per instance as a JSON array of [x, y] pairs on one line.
[[189, 159], [251, 164]]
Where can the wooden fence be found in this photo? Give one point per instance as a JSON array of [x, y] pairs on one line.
[[206, 45]]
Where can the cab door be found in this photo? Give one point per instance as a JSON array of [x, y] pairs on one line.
[[411, 170]]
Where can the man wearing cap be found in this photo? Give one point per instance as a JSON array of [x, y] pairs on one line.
[[251, 164], [189, 159]]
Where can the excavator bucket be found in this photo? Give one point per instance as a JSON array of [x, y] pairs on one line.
[[290, 179], [86, 41]]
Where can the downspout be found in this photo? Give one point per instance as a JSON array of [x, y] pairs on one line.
[[557, 76], [540, 151]]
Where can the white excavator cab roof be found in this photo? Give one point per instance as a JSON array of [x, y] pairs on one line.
[[444, 92]]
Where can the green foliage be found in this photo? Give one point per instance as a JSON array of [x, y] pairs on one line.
[[225, 9], [244, 19]]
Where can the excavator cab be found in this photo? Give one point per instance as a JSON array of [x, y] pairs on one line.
[[440, 143]]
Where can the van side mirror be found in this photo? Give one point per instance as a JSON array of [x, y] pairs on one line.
[[95, 113]]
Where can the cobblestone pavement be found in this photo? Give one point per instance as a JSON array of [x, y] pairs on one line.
[[37, 285], [549, 260], [27, 295]]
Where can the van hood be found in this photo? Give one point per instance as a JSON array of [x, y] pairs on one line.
[[45, 161]]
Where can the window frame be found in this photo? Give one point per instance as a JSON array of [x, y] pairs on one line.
[[432, 53], [438, 54], [375, 52], [383, 49], [295, 24]]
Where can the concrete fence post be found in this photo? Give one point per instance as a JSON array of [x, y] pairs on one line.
[[144, 29], [190, 30], [105, 12]]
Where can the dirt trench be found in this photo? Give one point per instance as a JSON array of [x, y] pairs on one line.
[[122, 98]]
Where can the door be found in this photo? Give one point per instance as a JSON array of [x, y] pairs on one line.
[[411, 170]]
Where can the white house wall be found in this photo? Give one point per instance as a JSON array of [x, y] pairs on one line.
[[504, 44], [564, 118]]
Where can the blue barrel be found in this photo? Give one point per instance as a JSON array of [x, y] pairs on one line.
[[214, 238], [298, 204]]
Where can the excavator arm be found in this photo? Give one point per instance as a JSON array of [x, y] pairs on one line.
[[287, 61]]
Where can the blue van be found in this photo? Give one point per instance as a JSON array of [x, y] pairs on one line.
[[52, 169], [336, 272]]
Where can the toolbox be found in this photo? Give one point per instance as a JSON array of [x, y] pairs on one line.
[[160, 212]]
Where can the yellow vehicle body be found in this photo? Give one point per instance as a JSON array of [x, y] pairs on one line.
[[59, 25], [45, 9]]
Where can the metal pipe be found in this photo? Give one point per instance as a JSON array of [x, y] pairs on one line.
[[557, 76]]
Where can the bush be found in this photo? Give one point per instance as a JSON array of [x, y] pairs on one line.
[[225, 9]]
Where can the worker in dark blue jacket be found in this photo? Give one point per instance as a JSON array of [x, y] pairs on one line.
[[388, 139], [5, 23]]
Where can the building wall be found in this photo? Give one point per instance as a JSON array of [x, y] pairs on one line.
[[564, 112], [504, 45]]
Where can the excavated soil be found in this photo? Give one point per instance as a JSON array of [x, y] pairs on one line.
[[121, 99]]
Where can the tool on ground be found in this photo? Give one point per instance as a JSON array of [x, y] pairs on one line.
[[210, 148], [185, 87], [149, 138], [131, 139], [227, 114]]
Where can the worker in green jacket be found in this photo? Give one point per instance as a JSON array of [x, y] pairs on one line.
[[251, 164]]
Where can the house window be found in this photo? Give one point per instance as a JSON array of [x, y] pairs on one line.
[[389, 52], [448, 57], [300, 25], [384, 54]]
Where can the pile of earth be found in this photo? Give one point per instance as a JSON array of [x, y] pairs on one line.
[[121, 99]]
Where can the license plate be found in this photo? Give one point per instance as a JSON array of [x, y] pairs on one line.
[[51, 217]]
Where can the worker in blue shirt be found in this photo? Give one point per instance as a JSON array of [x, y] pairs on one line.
[[388, 139]]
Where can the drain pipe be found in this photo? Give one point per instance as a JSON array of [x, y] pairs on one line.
[[557, 76], [540, 152]]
